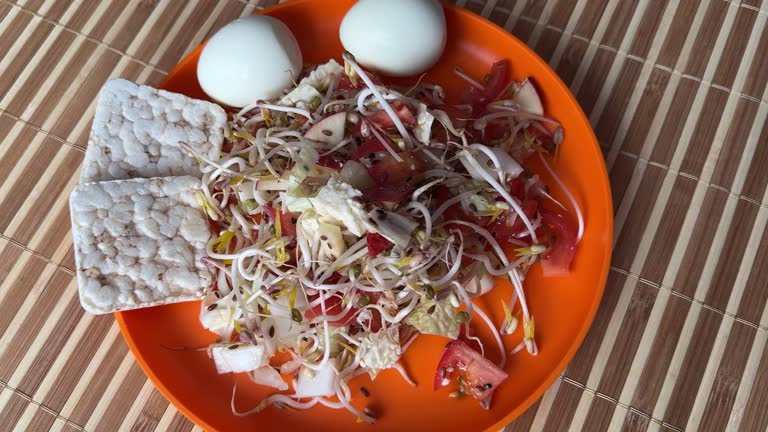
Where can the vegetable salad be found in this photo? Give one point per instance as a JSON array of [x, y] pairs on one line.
[[352, 217]]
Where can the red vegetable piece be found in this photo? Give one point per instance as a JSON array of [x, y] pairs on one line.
[[287, 220], [270, 212], [556, 261], [332, 162], [498, 81], [393, 193], [464, 336], [389, 170], [382, 119], [377, 243], [333, 278], [494, 131], [509, 225], [370, 146], [480, 375], [517, 188]]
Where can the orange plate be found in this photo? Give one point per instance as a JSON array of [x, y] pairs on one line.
[[563, 307]]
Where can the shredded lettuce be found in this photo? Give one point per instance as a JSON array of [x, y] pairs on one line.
[[435, 317], [380, 350]]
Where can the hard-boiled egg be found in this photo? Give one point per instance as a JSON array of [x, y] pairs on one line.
[[250, 59], [395, 37]]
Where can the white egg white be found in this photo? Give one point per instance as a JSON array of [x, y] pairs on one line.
[[252, 58], [395, 37]]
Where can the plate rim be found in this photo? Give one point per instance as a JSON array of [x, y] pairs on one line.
[[604, 190]]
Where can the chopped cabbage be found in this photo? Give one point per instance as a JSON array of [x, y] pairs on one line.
[[380, 350], [317, 383], [309, 87], [268, 376], [234, 358], [435, 317]]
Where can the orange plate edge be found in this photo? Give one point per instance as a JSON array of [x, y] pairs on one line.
[[599, 193]]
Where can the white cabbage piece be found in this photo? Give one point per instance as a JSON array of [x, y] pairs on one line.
[[317, 383], [268, 376], [234, 358], [339, 203], [380, 350], [316, 81], [219, 319], [435, 317]]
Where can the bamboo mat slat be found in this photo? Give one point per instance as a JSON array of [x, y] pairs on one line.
[[677, 91]]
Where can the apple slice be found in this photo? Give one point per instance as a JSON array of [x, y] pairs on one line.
[[528, 98], [329, 130]]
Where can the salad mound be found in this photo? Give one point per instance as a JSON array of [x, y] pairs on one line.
[[352, 217]]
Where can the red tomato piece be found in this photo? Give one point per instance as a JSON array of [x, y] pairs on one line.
[[480, 375], [494, 131], [510, 225], [382, 119], [287, 220], [556, 261], [517, 188], [377, 243], [497, 82], [370, 146], [389, 170], [332, 162], [394, 193], [333, 278]]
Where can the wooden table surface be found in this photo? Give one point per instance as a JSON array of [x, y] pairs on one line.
[[675, 89]]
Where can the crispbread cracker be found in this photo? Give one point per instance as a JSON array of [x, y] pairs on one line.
[[139, 243], [137, 129]]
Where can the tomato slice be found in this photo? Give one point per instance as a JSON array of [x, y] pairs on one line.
[[370, 146], [517, 188], [494, 131], [510, 225], [332, 162], [389, 170], [480, 375], [382, 119], [287, 220], [389, 193], [497, 82], [377, 243], [556, 261]]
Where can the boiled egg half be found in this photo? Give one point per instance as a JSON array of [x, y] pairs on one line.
[[250, 59], [395, 37]]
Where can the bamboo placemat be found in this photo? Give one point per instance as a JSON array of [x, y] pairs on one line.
[[675, 89]]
